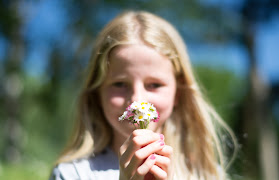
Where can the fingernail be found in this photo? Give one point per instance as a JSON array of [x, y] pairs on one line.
[[162, 137], [162, 143], [152, 157]]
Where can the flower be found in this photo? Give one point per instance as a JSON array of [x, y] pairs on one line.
[[140, 113]]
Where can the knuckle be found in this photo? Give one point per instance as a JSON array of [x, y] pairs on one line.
[[155, 135], [138, 155], [170, 150], [135, 141], [168, 161], [148, 131], [163, 175], [160, 174], [135, 133], [139, 172]]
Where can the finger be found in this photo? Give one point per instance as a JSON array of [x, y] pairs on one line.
[[158, 173], [167, 151], [141, 154], [138, 139], [163, 162], [136, 133], [145, 167]]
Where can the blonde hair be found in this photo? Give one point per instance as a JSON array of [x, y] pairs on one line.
[[192, 128]]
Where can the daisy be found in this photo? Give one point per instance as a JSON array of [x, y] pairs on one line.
[[140, 113]]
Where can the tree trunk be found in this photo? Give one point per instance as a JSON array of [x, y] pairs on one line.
[[258, 114]]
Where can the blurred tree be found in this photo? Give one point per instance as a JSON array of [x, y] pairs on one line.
[[257, 120], [10, 24]]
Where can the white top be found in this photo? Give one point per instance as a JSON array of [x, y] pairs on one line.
[[104, 166]]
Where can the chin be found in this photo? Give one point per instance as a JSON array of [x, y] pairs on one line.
[[154, 127], [126, 128]]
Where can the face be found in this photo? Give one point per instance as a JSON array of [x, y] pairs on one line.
[[137, 73]]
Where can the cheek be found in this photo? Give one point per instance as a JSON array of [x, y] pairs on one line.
[[115, 101], [165, 108], [165, 105], [111, 103]]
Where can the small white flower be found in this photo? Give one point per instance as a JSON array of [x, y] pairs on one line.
[[140, 113], [123, 116], [140, 117], [135, 105]]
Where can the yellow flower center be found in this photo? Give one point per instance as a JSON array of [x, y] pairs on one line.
[[140, 117]]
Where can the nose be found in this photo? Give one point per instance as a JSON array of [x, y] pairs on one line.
[[138, 93]]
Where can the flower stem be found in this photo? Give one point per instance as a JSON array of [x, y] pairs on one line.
[[142, 125]]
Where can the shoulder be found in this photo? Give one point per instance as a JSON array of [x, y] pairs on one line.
[[78, 169], [101, 166]]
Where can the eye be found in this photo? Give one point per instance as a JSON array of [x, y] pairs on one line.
[[154, 85], [119, 84]]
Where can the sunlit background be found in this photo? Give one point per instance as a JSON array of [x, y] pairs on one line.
[[44, 50]]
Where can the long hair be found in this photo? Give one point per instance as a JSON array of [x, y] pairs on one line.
[[192, 128]]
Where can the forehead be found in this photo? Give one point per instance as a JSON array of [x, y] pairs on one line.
[[137, 56]]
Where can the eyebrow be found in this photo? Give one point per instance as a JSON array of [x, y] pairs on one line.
[[114, 77], [119, 76]]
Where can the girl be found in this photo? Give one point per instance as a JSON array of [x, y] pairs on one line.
[[141, 57]]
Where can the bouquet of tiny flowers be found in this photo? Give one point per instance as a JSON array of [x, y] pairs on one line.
[[140, 113]]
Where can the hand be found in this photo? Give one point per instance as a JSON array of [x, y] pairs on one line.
[[144, 155]]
